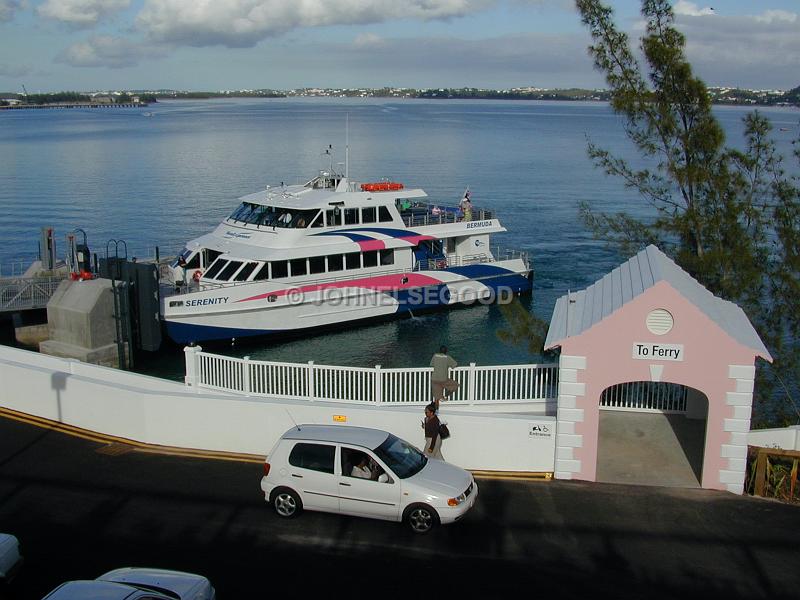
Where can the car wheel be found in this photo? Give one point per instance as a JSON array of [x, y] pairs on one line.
[[286, 503], [421, 518]]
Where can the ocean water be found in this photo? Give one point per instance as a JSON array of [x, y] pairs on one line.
[[162, 175]]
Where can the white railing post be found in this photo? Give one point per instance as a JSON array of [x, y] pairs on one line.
[[471, 383], [310, 380], [246, 375], [378, 385], [192, 357]]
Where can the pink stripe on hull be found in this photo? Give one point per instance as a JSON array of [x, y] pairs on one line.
[[381, 283]]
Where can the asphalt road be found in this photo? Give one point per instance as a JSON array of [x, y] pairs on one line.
[[79, 512]]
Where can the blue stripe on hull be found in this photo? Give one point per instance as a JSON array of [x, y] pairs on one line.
[[184, 333]]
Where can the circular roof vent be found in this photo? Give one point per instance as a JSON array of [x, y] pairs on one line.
[[660, 321]]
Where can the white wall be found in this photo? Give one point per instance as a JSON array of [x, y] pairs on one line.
[[158, 411], [787, 438]]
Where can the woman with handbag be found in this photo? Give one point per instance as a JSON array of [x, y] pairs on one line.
[[433, 441]]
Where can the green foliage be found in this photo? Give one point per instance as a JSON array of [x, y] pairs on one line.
[[730, 218], [57, 97], [523, 327], [780, 477]]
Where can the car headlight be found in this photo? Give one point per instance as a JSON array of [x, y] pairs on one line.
[[457, 500]]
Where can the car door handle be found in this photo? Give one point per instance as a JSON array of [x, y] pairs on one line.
[[345, 484], [298, 476]]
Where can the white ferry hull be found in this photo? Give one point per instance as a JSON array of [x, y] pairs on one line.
[[269, 308]]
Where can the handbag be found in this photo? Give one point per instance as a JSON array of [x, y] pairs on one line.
[[444, 432]]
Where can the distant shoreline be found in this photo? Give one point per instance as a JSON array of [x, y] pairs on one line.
[[548, 97], [718, 95]]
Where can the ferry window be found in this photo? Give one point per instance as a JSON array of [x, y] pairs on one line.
[[229, 270], [335, 262], [333, 217], [263, 273], [267, 216], [371, 258], [316, 264], [302, 218], [246, 271], [353, 260], [194, 263], [216, 267], [298, 266], [384, 215], [318, 220], [241, 213], [209, 256], [351, 216], [368, 215], [387, 257], [280, 269]]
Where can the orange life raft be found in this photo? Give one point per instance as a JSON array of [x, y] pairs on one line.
[[383, 186]]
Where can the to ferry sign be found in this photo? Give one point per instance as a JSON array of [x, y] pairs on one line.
[[652, 351]]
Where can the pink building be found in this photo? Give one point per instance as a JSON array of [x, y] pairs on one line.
[[651, 323]]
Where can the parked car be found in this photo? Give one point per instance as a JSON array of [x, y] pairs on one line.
[[10, 557], [364, 472], [137, 584]]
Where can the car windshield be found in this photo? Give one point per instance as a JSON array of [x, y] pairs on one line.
[[401, 457]]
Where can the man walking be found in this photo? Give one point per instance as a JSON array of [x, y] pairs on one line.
[[441, 383]]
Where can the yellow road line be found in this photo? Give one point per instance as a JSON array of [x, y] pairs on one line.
[[137, 446], [513, 475]]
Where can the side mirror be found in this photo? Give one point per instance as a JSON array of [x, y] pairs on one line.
[[384, 478]]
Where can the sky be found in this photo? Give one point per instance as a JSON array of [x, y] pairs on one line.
[[54, 45]]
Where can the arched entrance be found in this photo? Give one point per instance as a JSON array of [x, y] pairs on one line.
[[651, 433]]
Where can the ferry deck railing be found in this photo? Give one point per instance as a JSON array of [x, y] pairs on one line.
[[534, 383], [421, 216]]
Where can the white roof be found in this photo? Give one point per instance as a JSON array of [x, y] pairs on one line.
[[342, 434], [300, 197], [632, 278]]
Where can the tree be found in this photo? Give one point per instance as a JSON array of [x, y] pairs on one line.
[[730, 218]]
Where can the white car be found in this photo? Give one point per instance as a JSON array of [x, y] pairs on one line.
[[137, 584], [10, 559], [364, 472]]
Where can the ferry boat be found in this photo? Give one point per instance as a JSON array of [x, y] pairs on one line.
[[333, 251]]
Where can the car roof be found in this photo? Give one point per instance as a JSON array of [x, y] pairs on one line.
[[177, 582], [92, 590], [342, 434]]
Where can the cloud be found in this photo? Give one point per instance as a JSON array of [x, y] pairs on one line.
[[7, 70], [771, 16], [109, 51], [368, 40], [533, 59], [243, 23], [7, 9], [751, 51], [690, 9], [80, 13]]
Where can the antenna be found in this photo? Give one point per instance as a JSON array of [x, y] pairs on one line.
[[347, 147], [292, 419]]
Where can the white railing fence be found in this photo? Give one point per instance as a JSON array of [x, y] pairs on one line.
[[309, 381], [645, 396]]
